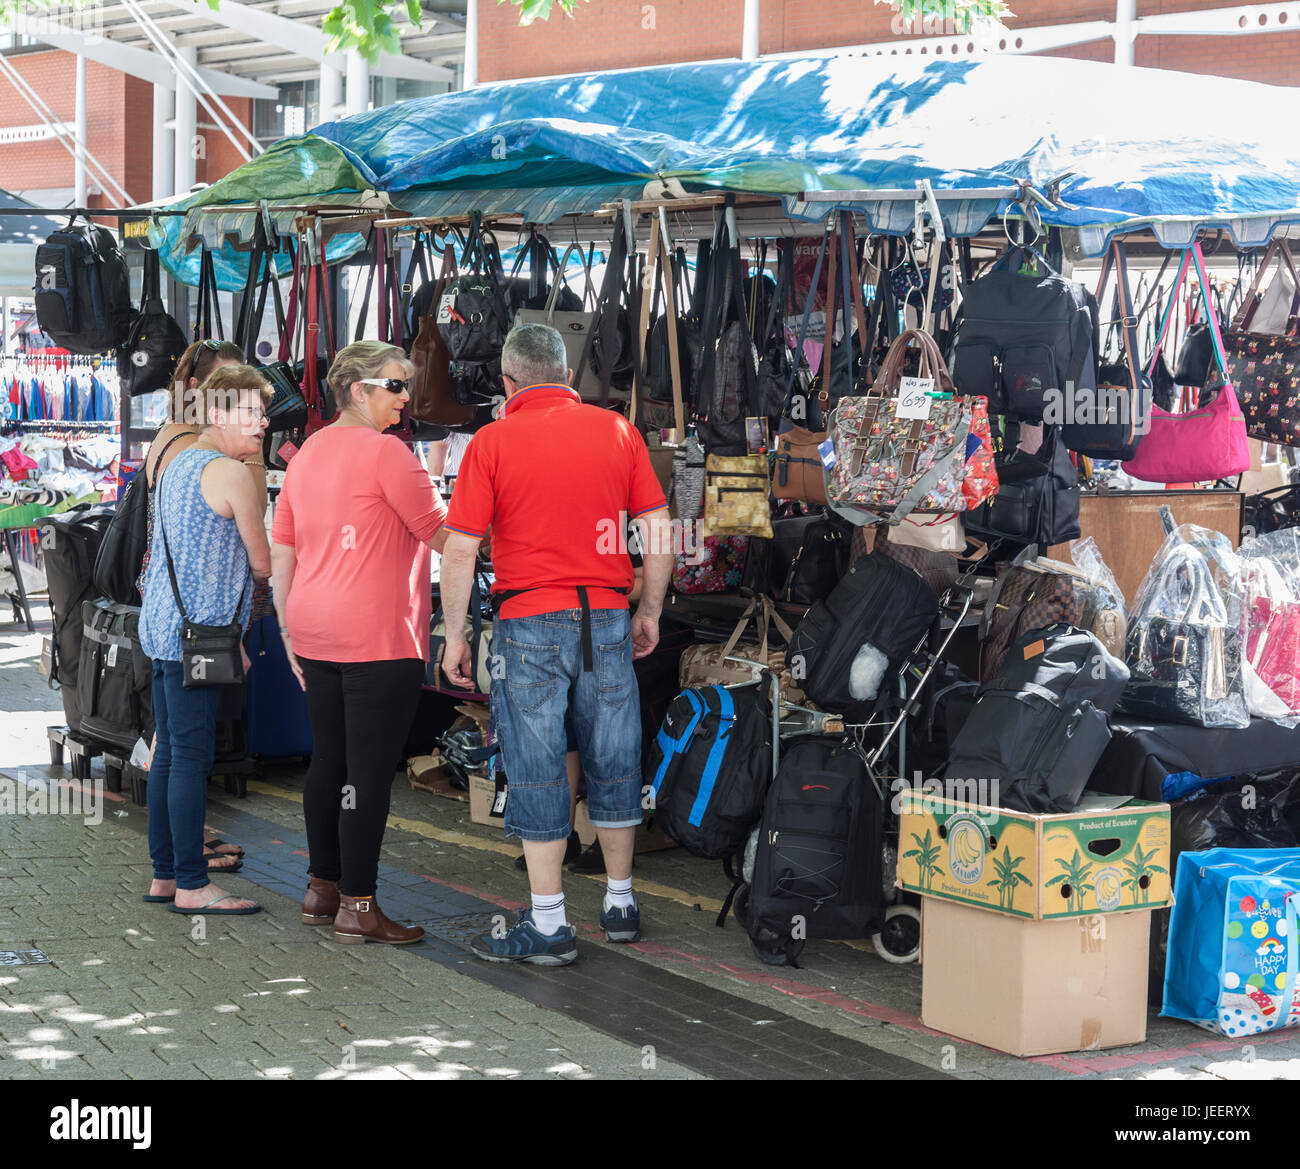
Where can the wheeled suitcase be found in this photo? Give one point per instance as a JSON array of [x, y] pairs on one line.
[[275, 708], [115, 676], [69, 544]]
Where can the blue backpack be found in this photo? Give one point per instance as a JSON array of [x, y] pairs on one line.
[[83, 291]]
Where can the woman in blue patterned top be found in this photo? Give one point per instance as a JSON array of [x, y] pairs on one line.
[[208, 506]]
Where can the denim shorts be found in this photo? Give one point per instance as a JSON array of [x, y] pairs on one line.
[[542, 680]]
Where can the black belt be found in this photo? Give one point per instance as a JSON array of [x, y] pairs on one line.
[[499, 599]]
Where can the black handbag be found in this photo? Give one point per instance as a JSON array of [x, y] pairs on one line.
[[155, 342], [806, 557], [1270, 511], [210, 654], [1038, 495], [1184, 654], [288, 408]]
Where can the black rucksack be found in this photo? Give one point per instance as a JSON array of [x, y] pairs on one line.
[[1039, 725], [817, 870], [69, 544], [710, 767], [83, 292], [1037, 500], [861, 633], [1020, 338], [115, 678], [473, 317]]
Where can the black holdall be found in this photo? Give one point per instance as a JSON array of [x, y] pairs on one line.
[[210, 654], [805, 558], [1022, 338], [155, 342], [1039, 725]]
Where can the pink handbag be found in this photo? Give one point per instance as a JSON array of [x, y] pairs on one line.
[[1203, 444], [1273, 648]]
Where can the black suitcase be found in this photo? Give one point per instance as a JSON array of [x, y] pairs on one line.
[[1039, 725], [115, 678], [710, 767], [879, 605], [817, 870], [69, 544]]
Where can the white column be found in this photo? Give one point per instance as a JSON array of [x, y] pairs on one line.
[[79, 121], [1125, 11], [331, 92], [358, 99], [164, 109], [186, 126], [469, 77], [749, 37]]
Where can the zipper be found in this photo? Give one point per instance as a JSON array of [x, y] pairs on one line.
[[733, 491], [736, 474]]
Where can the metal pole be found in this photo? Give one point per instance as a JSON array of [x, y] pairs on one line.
[[358, 95], [1125, 12], [164, 109], [79, 132], [186, 143], [469, 76], [749, 35]]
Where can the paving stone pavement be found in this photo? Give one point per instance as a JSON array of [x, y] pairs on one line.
[[133, 991]]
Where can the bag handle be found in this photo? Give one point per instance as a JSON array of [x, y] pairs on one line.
[[1277, 249], [809, 300]]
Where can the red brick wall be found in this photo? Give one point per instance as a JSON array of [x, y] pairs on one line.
[[119, 120], [614, 34]]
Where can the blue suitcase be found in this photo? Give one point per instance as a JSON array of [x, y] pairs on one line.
[[275, 708]]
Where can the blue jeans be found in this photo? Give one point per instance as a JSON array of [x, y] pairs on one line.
[[178, 776], [543, 680]]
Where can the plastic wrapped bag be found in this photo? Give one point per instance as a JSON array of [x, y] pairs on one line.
[[1186, 630], [1270, 587]]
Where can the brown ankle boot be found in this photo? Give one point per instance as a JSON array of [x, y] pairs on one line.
[[321, 903], [360, 919]]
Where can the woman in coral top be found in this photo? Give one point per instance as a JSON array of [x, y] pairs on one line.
[[353, 529]]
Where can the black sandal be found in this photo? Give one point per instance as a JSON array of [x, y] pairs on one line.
[[216, 842]]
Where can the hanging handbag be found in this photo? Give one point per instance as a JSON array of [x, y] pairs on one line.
[[917, 462], [1183, 653], [1264, 368], [1270, 511], [155, 342], [573, 326], [688, 480], [805, 558], [211, 655], [714, 564], [1205, 444], [1111, 423], [1272, 639], [433, 392], [1037, 500], [609, 367], [736, 496]]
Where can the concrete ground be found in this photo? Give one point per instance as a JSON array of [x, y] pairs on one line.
[[132, 991]]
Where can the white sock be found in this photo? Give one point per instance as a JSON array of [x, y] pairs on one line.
[[618, 894], [548, 913]]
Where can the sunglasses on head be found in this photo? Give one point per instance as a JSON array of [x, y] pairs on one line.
[[393, 385], [212, 346]]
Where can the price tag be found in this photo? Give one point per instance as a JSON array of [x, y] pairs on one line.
[[112, 656], [286, 451], [913, 400], [827, 452], [445, 305]]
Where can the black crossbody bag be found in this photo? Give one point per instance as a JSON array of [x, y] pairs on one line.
[[209, 653]]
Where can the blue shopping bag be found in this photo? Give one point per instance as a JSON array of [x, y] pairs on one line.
[[1232, 959]]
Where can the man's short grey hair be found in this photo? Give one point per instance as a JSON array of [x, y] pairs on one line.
[[534, 355]]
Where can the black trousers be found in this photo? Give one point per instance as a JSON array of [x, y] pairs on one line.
[[360, 715]]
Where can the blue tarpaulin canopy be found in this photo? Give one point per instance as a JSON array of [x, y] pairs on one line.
[[1123, 148]]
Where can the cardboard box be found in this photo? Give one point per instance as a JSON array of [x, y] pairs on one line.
[[1100, 858], [1034, 987], [649, 837], [482, 791]]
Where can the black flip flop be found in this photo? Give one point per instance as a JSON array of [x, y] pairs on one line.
[[216, 842], [158, 900]]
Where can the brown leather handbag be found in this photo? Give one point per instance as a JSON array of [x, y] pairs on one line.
[[433, 397], [798, 471]]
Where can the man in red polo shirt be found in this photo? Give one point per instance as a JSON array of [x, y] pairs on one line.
[[557, 482]]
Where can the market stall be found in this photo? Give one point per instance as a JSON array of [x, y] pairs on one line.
[[875, 390]]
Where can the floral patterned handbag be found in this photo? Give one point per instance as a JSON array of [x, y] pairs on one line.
[[900, 465], [713, 565]]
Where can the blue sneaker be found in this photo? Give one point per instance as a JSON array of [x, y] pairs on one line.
[[621, 924], [522, 942]]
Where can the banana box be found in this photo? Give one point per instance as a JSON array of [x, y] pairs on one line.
[[1100, 858]]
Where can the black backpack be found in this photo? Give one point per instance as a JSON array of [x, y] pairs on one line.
[[710, 767], [1037, 500], [878, 613], [154, 342], [83, 291], [1039, 725], [69, 544], [115, 678], [474, 319], [1020, 338], [817, 870]]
